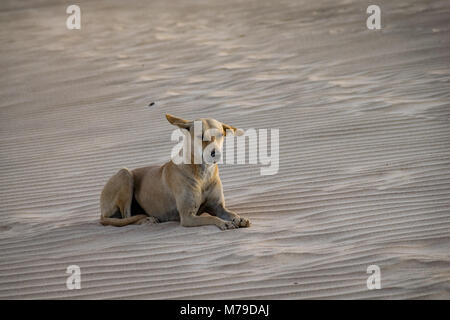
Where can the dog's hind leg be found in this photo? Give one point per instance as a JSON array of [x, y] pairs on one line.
[[117, 195]]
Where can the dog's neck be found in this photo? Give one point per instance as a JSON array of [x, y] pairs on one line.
[[206, 169], [203, 171]]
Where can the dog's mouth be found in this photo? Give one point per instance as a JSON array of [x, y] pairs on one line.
[[211, 161]]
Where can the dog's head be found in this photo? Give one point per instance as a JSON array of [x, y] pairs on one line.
[[209, 136]]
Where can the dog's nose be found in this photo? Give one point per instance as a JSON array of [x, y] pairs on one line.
[[213, 153]]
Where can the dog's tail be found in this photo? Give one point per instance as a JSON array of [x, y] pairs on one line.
[[122, 222]]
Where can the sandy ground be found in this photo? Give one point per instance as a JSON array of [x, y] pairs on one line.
[[364, 173]]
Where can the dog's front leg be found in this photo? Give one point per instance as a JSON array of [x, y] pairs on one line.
[[224, 213], [189, 218]]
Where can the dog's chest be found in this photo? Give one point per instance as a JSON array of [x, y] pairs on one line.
[[210, 190]]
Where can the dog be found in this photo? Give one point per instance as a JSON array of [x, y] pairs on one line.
[[174, 192]]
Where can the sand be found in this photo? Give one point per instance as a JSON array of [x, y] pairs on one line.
[[364, 176]]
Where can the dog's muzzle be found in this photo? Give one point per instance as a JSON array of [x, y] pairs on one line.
[[214, 156]]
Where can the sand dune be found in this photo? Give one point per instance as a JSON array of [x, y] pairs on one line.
[[364, 175]]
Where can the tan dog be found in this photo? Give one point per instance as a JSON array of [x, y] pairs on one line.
[[173, 192]]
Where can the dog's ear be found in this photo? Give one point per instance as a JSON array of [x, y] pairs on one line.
[[178, 121], [236, 131]]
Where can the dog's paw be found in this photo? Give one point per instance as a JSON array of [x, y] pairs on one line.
[[227, 225], [240, 222], [148, 220]]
